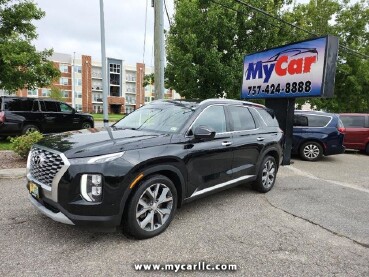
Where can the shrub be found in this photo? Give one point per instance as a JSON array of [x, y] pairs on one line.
[[22, 144]]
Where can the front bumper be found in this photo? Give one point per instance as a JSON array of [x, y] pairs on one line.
[[59, 216]]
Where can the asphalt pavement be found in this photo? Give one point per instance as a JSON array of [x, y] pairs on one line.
[[313, 223]]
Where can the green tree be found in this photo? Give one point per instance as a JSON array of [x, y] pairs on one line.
[[56, 93], [21, 65]]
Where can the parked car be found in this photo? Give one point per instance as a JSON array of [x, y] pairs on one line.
[[20, 115], [137, 172], [316, 134], [356, 131]]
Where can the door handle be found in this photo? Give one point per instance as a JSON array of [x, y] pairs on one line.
[[226, 143], [260, 139]]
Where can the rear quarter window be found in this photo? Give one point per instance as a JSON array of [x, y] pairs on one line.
[[311, 120], [241, 118], [19, 105], [269, 120]]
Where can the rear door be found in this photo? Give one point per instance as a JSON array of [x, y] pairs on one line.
[[52, 118], [356, 134], [248, 141]]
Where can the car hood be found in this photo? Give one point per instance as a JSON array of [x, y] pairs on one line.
[[102, 141]]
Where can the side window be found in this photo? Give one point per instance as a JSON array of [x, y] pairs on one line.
[[353, 121], [267, 117], [213, 117], [241, 118], [65, 108], [19, 105], [50, 106]]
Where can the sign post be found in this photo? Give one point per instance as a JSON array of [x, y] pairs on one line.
[[282, 74]]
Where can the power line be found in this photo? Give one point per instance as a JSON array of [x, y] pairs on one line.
[[285, 22], [166, 10], [144, 45], [295, 26]]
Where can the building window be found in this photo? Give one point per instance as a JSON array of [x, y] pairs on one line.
[[97, 97], [78, 94], [45, 92], [63, 68], [32, 92], [65, 94], [78, 82], [78, 69], [114, 68], [63, 81], [78, 107]]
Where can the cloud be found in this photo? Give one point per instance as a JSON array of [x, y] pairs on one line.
[[74, 26]]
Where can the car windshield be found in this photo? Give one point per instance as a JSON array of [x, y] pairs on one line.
[[166, 118]]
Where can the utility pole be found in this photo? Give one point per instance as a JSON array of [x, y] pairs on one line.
[[74, 81], [103, 65], [159, 48]]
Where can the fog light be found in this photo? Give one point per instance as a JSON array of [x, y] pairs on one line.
[[91, 187]]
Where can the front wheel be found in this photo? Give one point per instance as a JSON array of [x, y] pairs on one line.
[[151, 208], [311, 151], [86, 125], [267, 175]]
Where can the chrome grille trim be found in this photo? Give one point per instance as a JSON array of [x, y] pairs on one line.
[[48, 175]]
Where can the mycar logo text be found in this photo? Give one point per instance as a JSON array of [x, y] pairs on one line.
[[286, 62]]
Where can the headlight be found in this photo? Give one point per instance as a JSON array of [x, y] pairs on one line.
[[91, 187], [97, 159]]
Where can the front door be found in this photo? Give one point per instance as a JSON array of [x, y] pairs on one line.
[[209, 162]]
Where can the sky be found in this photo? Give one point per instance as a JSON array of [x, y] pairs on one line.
[[74, 26]]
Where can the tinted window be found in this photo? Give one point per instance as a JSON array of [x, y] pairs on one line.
[[50, 106], [212, 117], [353, 121], [311, 120], [19, 105], [65, 108], [269, 120], [241, 118]]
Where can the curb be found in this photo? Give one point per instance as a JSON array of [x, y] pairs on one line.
[[13, 173]]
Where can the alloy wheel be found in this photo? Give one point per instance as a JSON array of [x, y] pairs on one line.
[[311, 151], [154, 207], [268, 174]]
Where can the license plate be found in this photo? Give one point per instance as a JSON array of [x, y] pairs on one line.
[[34, 190]]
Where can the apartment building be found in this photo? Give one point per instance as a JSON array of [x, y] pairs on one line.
[[81, 84]]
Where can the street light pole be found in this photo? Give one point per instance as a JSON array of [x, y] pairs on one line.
[[159, 48], [103, 65]]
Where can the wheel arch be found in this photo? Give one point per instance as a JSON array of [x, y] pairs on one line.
[[169, 171]]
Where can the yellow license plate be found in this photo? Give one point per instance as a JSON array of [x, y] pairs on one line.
[[34, 190]]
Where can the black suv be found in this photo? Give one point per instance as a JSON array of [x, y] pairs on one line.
[[137, 172], [20, 115]]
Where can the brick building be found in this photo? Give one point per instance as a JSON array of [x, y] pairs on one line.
[[83, 76]]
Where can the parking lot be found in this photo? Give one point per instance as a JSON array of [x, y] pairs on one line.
[[314, 222]]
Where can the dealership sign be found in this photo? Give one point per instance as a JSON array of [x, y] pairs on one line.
[[303, 69]]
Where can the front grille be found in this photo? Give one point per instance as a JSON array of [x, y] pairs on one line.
[[44, 165]]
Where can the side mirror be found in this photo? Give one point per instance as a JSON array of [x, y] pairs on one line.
[[204, 132]]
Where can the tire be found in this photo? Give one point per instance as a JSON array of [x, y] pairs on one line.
[[367, 149], [266, 176], [311, 151], [86, 125], [30, 128], [146, 218]]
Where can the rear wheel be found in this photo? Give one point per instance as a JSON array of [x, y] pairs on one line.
[[266, 176], [151, 208], [367, 149], [29, 129], [311, 151]]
